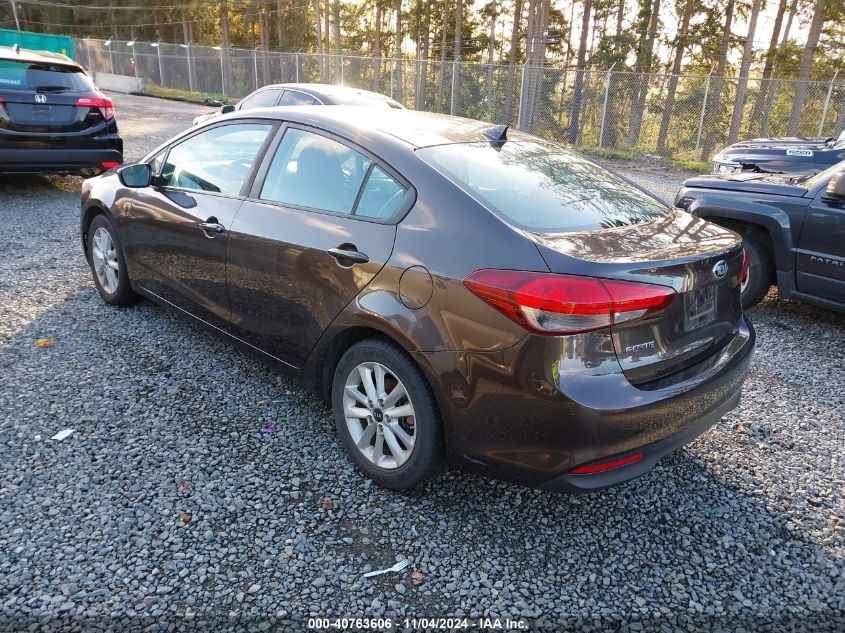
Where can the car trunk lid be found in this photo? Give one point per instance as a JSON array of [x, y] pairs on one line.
[[699, 260]]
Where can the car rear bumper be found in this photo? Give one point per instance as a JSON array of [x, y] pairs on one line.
[[49, 160], [532, 415]]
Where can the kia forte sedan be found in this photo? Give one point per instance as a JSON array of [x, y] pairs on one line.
[[457, 292]]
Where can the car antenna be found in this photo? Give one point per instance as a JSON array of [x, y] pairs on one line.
[[497, 134], [17, 49]]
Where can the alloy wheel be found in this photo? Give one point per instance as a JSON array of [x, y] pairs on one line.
[[379, 415], [104, 258]]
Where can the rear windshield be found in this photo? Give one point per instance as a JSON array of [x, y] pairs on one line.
[[15, 75], [542, 187]]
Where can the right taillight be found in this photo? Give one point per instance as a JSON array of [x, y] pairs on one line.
[[105, 106], [548, 303]]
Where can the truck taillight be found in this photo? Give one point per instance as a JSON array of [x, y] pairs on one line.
[[548, 303], [105, 106]]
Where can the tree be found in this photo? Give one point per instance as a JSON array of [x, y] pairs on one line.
[[742, 82], [680, 48], [804, 70], [714, 98], [578, 89], [771, 53]]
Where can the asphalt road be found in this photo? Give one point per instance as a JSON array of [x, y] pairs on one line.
[[168, 504]]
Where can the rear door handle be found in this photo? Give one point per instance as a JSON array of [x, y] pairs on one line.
[[212, 226], [352, 257]]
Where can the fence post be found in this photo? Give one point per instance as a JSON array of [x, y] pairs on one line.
[[521, 94], [255, 65], [392, 77], [604, 109], [160, 65], [454, 96], [296, 64], [222, 74], [827, 101], [341, 70], [703, 109]]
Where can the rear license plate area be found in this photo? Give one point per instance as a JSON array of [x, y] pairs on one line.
[[700, 307]]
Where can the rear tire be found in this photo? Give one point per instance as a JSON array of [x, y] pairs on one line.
[[760, 270], [108, 265], [395, 440]]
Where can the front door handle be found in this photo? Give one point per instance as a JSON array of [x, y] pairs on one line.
[[348, 257], [212, 226]]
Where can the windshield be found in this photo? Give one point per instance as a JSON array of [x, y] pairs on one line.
[[541, 187], [19, 75], [822, 176]]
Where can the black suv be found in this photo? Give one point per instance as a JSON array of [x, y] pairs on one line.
[[52, 117], [793, 230]]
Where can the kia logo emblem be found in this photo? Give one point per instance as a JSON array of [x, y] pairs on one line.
[[40, 99], [720, 269]]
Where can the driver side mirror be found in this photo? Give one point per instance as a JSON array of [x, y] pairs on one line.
[[836, 187], [226, 109], [135, 176]]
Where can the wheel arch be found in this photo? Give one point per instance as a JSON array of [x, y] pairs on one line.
[[92, 210]]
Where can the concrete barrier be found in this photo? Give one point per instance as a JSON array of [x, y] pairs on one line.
[[119, 83]]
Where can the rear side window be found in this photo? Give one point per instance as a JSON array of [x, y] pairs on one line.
[[262, 99], [382, 195], [216, 160], [15, 75], [316, 172], [542, 187], [295, 98]]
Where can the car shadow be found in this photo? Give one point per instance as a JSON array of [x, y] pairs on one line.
[[24, 184]]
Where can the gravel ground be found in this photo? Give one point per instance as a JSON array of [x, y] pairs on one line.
[[169, 505]]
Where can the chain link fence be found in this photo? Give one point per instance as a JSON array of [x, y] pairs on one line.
[[686, 117]]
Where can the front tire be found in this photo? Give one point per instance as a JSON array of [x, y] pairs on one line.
[[760, 271], [108, 265], [386, 415]]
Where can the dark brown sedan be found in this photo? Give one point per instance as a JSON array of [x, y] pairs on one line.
[[457, 291]]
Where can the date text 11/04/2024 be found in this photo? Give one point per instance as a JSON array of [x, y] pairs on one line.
[[422, 624]]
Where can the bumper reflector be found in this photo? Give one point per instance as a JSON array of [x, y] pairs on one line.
[[605, 466]]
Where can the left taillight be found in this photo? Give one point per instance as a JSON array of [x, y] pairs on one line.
[[105, 106], [554, 304]]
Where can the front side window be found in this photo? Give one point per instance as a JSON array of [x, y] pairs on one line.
[[541, 187], [316, 172], [261, 99], [216, 160]]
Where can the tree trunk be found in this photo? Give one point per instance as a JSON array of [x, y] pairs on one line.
[[459, 18], [804, 69], [225, 46], [680, 48], [425, 48], [491, 52], [759, 102], [338, 71], [513, 53], [578, 89], [715, 96], [641, 83], [742, 82], [377, 50], [327, 47], [770, 96], [264, 33]]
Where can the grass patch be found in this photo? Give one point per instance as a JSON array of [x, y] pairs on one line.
[[192, 96]]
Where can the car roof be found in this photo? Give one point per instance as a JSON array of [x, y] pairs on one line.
[[36, 57], [328, 92], [413, 127]]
